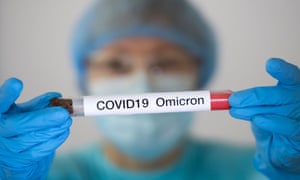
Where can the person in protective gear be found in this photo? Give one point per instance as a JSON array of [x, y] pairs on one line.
[[136, 46]]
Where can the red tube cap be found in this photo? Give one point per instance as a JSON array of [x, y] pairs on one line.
[[219, 100]]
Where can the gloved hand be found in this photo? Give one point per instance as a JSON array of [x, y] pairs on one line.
[[274, 113], [29, 133]]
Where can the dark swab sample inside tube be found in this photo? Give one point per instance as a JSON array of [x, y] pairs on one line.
[[65, 103]]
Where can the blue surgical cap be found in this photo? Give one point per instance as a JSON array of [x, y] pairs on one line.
[[173, 20]]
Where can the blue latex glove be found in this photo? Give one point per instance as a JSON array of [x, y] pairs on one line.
[[29, 133], [274, 113]]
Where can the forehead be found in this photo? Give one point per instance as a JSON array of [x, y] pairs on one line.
[[142, 45]]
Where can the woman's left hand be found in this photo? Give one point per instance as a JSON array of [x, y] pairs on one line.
[[274, 113]]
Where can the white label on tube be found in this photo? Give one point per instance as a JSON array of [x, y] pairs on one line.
[[147, 103]]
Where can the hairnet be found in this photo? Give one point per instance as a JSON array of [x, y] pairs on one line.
[[173, 20]]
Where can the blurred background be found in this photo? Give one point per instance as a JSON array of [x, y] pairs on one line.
[[35, 40]]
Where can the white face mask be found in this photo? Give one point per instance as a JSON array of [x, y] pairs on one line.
[[144, 137]]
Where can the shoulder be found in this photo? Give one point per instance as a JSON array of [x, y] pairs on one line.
[[77, 164], [221, 149], [227, 160]]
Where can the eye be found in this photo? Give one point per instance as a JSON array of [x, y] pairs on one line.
[[110, 66], [117, 65], [173, 63], [165, 63]]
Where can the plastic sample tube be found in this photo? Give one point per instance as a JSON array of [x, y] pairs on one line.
[[145, 103]]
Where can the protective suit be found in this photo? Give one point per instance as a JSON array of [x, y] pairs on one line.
[[201, 160]]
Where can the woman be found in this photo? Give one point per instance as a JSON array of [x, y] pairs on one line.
[[136, 46]]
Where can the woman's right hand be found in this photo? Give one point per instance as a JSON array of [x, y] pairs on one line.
[[29, 132]]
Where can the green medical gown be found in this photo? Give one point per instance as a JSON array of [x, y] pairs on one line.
[[200, 160]]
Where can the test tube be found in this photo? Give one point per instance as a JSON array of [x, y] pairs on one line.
[[164, 102]]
